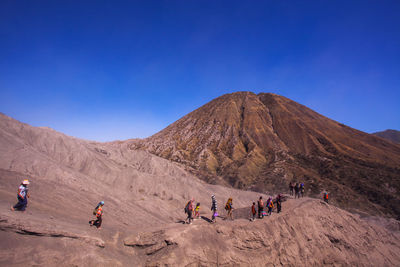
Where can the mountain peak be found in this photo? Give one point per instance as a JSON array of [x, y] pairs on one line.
[[264, 141], [389, 134]]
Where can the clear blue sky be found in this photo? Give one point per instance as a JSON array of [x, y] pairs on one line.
[[107, 70]]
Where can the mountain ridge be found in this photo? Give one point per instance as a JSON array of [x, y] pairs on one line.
[[389, 134], [142, 223], [262, 142]]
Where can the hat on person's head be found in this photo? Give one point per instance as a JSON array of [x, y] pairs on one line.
[[25, 182]]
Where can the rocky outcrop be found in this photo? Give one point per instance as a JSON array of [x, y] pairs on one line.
[[308, 233]]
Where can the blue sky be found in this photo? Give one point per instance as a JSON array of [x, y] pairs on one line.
[[107, 70]]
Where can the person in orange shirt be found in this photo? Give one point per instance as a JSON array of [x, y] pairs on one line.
[[270, 205], [229, 208], [99, 213], [326, 197]]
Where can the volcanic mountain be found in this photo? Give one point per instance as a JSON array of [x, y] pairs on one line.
[[142, 223], [262, 142], [391, 135]]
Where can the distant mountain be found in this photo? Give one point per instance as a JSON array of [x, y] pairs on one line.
[[391, 135], [262, 142]]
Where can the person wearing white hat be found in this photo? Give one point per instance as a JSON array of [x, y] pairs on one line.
[[22, 196]]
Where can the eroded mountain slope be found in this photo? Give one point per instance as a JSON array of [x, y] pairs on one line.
[[262, 142]]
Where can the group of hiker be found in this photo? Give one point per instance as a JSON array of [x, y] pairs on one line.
[[269, 206], [192, 210], [296, 189]]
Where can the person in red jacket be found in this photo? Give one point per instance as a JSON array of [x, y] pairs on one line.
[[99, 213], [326, 197]]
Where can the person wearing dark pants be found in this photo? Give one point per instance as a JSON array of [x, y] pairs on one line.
[[98, 222], [260, 208], [278, 203], [22, 196], [99, 214], [270, 206], [190, 208], [326, 197], [214, 209]]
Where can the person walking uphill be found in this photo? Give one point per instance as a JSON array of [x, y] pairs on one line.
[[291, 188], [98, 211], [214, 209], [253, 211], [22, 196], [326, 197], [229, 208], [197, 211], [302, 189], [260, 208], [270, 206], [278, 203], [189, 210], [297, 190]]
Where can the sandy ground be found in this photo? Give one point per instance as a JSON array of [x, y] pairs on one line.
[[142, 222]]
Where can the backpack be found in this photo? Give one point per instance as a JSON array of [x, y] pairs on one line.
[[187, 207], [227, 206], [96, 209]]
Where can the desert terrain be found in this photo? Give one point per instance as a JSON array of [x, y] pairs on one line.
[[143, 214]]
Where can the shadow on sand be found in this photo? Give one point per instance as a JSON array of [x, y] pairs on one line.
[[206, 219]]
